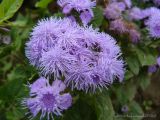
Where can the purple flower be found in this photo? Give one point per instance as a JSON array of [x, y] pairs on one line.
[[57, 62], [47, 100], [114, 10], [158, 61], [118, 25], [136, 14], [86, 58], [151, 11], [37, 85], [46, 34], [153, 25], [82, 6], [152, 69], [86, 17], [98, 65]]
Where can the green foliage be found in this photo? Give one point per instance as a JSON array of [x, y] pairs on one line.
[[103, 107], [98, 16], [8, 8], [43, 3]]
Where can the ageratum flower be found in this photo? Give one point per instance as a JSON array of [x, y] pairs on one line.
[[153, 25], [114, 10], [86, 58], [46, 99], [150, 11], [118, 25], [84, 7], [136, 14], [98, 65], [45, 36]]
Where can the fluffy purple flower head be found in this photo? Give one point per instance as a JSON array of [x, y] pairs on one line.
[[118, 25], [136, 14], [78, 5], [148, 12], [46, 34], [158, 61], [114, 10], [99, 63], [153, 25], [82, 6], [86, 58], [57, 61], [152, 69], [46, 99]]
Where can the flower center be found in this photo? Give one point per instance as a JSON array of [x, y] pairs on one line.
[[48, 101]]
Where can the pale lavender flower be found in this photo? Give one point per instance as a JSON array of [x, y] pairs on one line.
[[153, 25], [148, 12], [114, 10], [86, 58], [118, 25], [158, 61], [98, 65], [136, 14], [57, 62], [86, 17], [47, 100], [37, 85], [46, 34], [82, 6], [78, 5], [152, 69]]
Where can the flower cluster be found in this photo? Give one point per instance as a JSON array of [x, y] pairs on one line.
[[83, 57], [86, 58], [84, 7], [152, 19], [114, 13], [46, 98]]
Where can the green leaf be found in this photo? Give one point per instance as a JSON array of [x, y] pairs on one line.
[[125, 92], [79, 111], [128, 75], [8, 8], [98, 16], [143, 80], [43, 3], [146, 56], [135, 110], [133, 64], [103, 107]]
